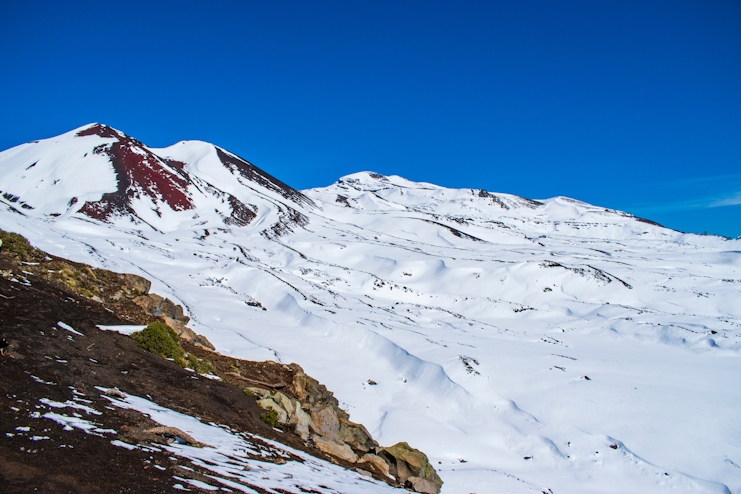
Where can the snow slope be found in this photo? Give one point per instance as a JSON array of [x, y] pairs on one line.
[[523, 345]]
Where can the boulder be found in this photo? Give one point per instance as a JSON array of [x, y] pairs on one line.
[[161, 307], [188, 334], [172, 432], [376, 461], [202, 341], [136, 285], [422, 485], [335, 448], [356, 436], [406, 462]]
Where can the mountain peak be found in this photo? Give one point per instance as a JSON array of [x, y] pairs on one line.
[[368, 180], [107, 175], [100, 130]]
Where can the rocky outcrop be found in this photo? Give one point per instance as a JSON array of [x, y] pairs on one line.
[[136, 289], [314, 413], [126, 294], [318, 419], [171, 313]]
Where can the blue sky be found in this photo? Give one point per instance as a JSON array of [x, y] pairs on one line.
[[629, 105]]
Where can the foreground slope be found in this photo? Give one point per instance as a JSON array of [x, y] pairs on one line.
[[550, 344], [87, 410]]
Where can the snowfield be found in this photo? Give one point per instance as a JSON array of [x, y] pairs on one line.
[[524, 346]]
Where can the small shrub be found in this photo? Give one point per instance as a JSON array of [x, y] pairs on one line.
[[201, 366], [161, 339], [248, 392], [271, 418], [17, 244]]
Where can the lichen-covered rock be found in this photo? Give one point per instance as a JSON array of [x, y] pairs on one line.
[[315, 414], [356, 436], [406, 462], [308, 390], [334, 448], [289, 411]]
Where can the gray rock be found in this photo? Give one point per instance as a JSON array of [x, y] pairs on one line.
[[324, 422]]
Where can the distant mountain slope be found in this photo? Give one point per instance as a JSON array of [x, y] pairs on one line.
[[550, 344]]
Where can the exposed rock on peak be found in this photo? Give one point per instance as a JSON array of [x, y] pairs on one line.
[[247, 170], [140, 174]]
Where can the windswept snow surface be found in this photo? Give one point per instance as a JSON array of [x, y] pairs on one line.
[[602, 348]]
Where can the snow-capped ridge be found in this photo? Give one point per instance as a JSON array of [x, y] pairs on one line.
[[104, 174]]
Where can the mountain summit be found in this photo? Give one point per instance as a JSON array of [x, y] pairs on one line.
[[104, 174]]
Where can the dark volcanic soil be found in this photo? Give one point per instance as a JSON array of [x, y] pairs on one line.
[[46, 361]]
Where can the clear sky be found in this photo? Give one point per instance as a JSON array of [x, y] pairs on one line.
[[634, 105]]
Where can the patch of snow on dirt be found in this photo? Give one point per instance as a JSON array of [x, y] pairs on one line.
[[226, 454]]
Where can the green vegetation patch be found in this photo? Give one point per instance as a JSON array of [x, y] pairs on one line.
[[161, 339], [270, 417], [17, 244], [201, 365]]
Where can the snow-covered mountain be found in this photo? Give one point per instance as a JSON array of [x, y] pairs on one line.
[[523, 345]]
